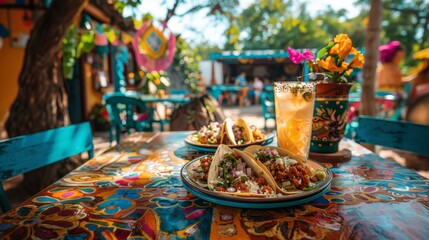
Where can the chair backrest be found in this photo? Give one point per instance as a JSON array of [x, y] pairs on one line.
[[124, 111], [267, 104], [395, 134], [28, 152]]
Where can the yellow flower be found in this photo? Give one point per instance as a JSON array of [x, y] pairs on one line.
[[333, 57], [341, 38], [357, 61], [343, 46], [330, 65]]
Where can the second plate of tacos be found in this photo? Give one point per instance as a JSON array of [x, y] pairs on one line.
[[235, 173], [292, 174], [238, 132], [234, 134]]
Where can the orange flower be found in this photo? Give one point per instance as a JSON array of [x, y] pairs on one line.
[[330, 65], [357, 61], [333, 58], [343, 46]]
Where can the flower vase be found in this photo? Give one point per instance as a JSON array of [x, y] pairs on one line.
[[330, 116]]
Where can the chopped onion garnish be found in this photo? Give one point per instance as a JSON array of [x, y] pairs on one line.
[[249, 172], [231, 189], [286, 183], [241, 166]]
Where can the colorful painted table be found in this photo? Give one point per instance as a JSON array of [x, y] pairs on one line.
[[133, 191]]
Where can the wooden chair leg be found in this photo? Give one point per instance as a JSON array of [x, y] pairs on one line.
[[4, 202], [111, 133], [118, 134]]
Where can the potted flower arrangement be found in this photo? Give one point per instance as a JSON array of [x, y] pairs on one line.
[[156, 83], [331, 70], [335, 62]]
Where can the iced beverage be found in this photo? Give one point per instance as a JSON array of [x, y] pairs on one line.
[[294, 103]]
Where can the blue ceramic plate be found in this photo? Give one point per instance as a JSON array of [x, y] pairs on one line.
[[254, 202], [255, 205], [213, 147]]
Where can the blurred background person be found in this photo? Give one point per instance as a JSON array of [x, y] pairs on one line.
[[389, 77], [420, 80], [258, 86], [241, 79]]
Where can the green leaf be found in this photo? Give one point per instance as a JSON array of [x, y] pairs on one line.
[[325, 50]]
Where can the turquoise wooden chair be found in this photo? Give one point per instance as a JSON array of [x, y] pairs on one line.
[[128, 113], [217, 93], [29, 152], [267, 103], [395, 134]]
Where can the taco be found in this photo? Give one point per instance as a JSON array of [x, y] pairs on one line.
[[237, 132], [291, 173], [257, 134], [199, 170], [234, 172], [210, 134]]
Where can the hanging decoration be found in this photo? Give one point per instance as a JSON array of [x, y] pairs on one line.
[[85, 22], [154, 51], [87, 35], [101, 43]]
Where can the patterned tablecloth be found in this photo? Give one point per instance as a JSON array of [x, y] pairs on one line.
[[134, 191]]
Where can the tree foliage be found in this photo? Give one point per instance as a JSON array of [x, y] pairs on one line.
[[276, 24], [186, 62], [408, 22]]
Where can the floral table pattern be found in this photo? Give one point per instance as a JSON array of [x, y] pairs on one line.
[[134, 191]]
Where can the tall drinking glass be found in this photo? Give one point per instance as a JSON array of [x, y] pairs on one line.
[[294, 104]]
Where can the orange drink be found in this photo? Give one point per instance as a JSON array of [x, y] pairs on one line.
[[294, 105]]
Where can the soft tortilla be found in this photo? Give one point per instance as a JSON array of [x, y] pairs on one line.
[[228, 123], [190, 168], [214, 170], [251, 150]]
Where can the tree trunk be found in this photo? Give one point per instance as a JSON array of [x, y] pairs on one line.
[[372, 42], [41, 102]]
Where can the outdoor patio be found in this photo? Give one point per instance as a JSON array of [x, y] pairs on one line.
[[200, 119]]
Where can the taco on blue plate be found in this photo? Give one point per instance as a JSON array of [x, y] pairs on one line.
[[199, 170], [237, 133], [210, 134], [291, 173], [234, 172]]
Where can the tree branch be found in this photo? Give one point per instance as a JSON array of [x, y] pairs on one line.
[[115, 17], [417, 12], [193, 9], [171, 12]]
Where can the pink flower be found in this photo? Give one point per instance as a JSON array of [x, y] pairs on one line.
[[296, 57], [307, 55]]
